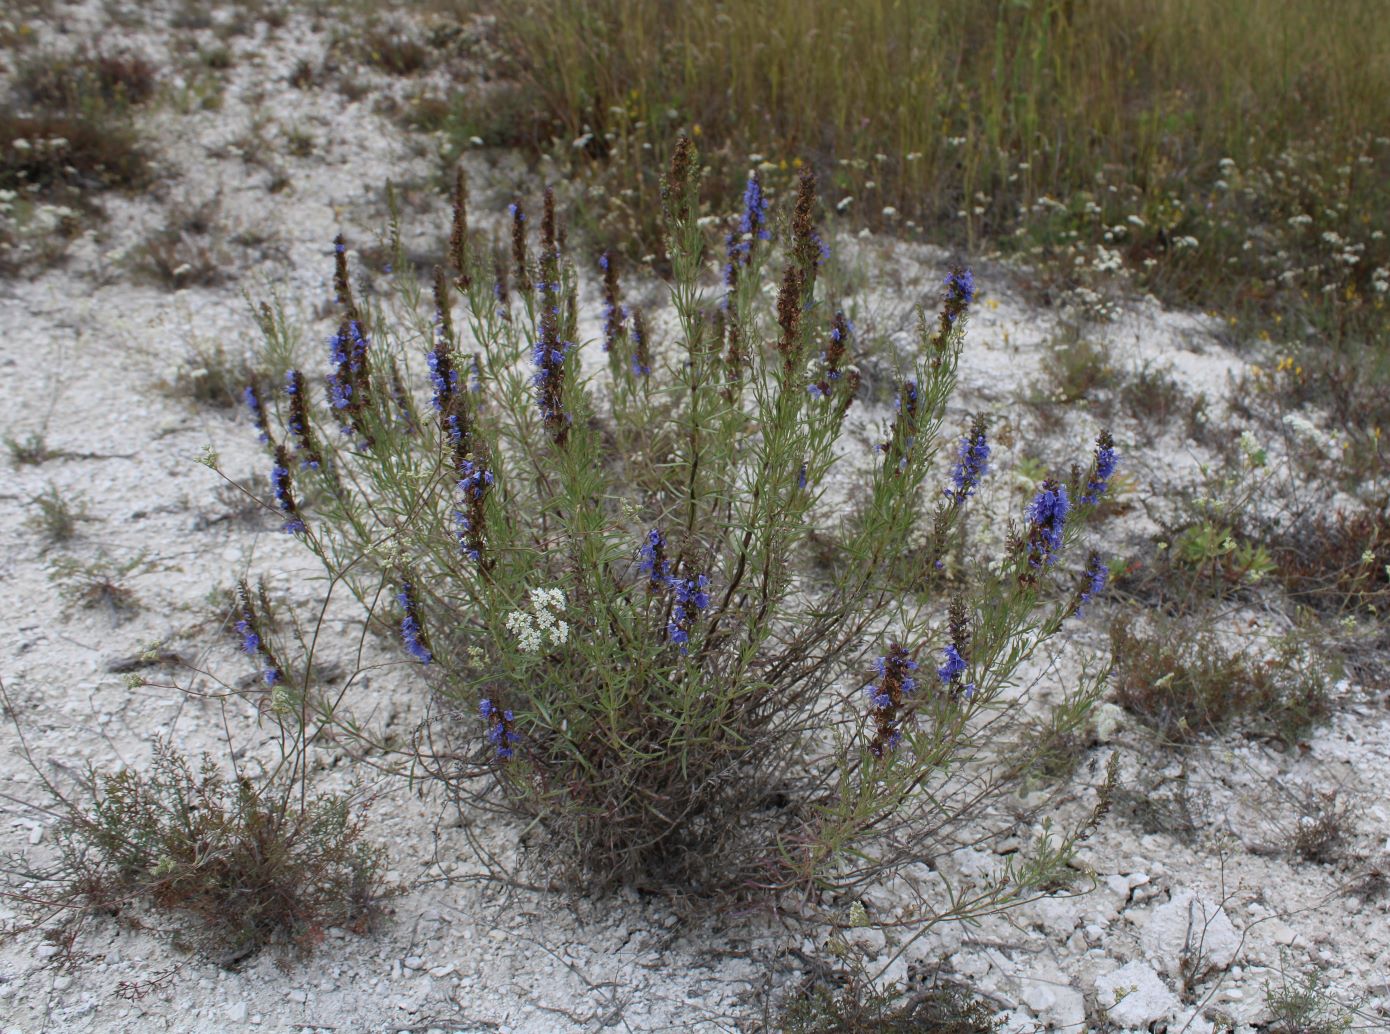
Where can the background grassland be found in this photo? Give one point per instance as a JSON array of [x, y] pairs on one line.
[[1183, 134]]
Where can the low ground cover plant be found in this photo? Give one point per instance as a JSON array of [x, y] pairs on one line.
[[600, 568], [240, 864]]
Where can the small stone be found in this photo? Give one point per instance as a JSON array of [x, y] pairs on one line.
[[299, 997], [236, 1012], [413, 962], [62, 983]]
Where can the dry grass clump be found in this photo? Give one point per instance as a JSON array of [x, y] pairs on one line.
[[44, 152], [1185, 684], [842, 999], [250, 862], [1338, 562], [85, 81]]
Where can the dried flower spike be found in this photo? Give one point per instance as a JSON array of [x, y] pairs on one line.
[[284, 494], [887, 695], [458, 233]]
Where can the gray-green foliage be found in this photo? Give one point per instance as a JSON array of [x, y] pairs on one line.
[[709, 738]]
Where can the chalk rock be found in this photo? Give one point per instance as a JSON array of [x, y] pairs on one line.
[[1192, 925], [1135, 996], [1057, 1005]]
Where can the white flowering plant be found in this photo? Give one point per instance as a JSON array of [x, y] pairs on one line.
[[601, 570]]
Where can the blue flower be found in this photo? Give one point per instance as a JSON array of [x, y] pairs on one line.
[[250, 641], [1104, 469], [691, 598], [1047, 517], [473, 485], [972, 461], [412, 635], [442, 375], [652, 558], [754, 221], [954, 667], [284, 495], [894, 683], [339, 392], [960, 286], [257, 412], [500, 732], [1093, 582], [691, 591]]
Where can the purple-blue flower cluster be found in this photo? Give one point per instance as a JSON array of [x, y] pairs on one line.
[[443, 376], [549, 359], [691, 598], [960, 287], [953, 666], [412, 635], [253, 403], [832, 356], [689, 595], [299, 427], [752, 225], [754, 221], [895, 682], [347, 350], [972, 461], [1093, 581], [284, 493], [473, 486], [1103, 470], [500, 731], [1047, 518], [251, 641], [651, 559], [960, 292], [952, 669]]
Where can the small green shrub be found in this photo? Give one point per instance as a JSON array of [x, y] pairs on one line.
[[31, 451], [1185, 684], [1077, 369], [604, 574], [57, 519], [1303, 1006]]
